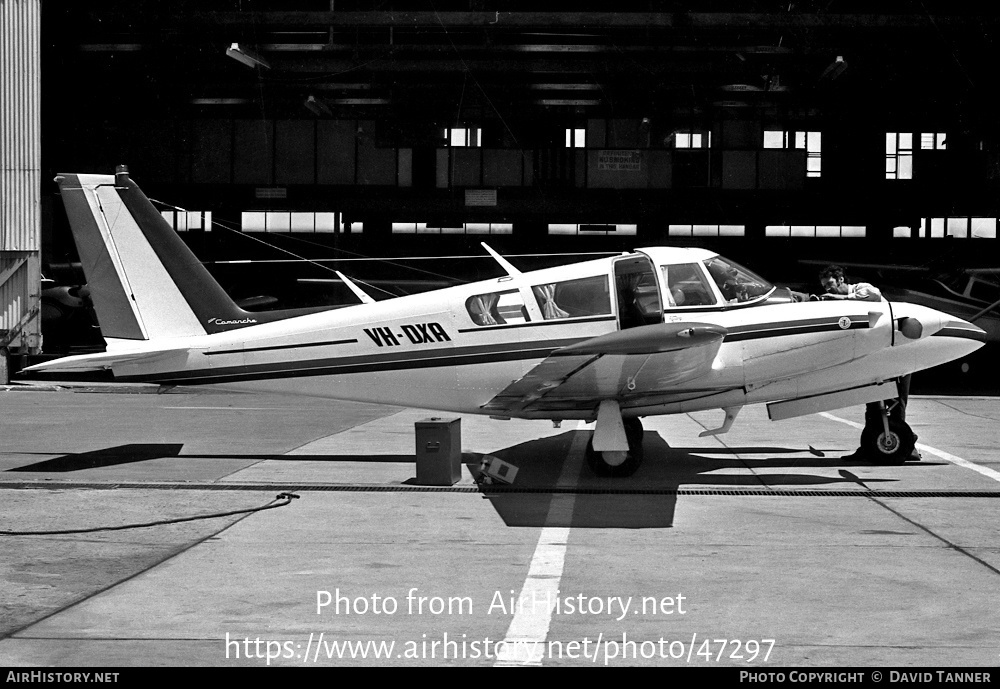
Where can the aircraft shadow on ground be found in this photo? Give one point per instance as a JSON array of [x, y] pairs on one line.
[[105, 457], [134, 453], [555, 487]]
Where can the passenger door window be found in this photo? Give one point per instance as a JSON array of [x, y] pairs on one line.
[[686, 286]]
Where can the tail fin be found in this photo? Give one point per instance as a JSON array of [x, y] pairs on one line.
[[144, 281]]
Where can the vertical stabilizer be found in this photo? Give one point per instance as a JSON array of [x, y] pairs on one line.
[[145, 282]]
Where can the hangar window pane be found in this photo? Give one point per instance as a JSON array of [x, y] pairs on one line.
[[451, 228], [984, 227], [905, 167], [899, 155], [687, 139], [811, 142], [774, 139], [902, 231], [278, 222], [464, 136], [933, 141], [815, 231], [182, 221], [586, 229], [327, 222], [706, 230], [303, 222], [285, 221], [958, 227], [252, 221], [576, 138]]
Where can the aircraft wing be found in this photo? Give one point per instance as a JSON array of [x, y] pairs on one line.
[[634, 363]]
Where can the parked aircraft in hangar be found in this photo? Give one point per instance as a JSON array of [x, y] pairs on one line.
[[661, 330]]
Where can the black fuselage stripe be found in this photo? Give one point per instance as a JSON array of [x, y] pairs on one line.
[[792, 330], [277, 347], [441, 357], [963, 333], [329, 368]]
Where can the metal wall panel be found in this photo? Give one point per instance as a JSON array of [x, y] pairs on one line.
[[20, 170], [19, 125]]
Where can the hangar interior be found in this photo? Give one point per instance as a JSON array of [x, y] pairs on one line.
[[287, 139]]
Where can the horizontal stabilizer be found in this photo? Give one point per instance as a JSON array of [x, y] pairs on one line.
[[103, 361]]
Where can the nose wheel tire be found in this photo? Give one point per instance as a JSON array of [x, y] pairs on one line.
[[617, 463], [893, 447]]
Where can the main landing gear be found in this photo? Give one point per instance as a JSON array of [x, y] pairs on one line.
[[615, 449], [890, 442]]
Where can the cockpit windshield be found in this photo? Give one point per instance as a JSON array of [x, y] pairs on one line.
[[736, 283]]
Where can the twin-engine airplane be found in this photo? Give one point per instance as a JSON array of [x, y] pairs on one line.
[[658, 331]]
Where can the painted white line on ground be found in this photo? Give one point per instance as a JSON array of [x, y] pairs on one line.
[[524, 643], [948, 457], [229, 408]]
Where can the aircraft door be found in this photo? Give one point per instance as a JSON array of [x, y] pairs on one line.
[[637, 291]]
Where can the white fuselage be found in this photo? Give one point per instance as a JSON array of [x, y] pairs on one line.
[[428, 351]]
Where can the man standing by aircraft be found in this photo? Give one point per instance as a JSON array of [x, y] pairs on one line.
[[831, 279]]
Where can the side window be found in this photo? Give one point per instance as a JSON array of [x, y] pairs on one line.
[[574, 298], [736, 283], [497, 308], [686, 286]]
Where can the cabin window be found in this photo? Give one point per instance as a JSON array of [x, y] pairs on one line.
[[497, 308], [736, 283], [686, 286], [574, 298]]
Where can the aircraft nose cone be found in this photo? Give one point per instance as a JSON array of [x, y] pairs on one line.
[[956, 327], [915, 322]]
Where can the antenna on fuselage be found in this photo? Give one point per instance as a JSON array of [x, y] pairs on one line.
[[358, 292], [504, 263]]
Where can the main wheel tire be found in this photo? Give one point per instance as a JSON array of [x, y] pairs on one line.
[[618, 464], [892, 448], [634, 433]]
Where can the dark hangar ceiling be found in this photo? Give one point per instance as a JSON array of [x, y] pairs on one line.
[[462, 62]]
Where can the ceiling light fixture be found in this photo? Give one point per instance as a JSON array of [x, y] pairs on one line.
[[835, 69], [317, 107], [247, 56]]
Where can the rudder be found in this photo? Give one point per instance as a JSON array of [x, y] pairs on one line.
[[144, 281]]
